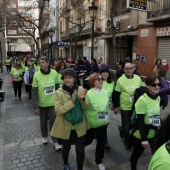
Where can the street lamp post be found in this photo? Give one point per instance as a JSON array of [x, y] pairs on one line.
[[38, 48], [51, 33], [8, 46], [93, 14]]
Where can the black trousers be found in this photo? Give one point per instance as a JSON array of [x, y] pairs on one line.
[[17, 88], [137, 151], [8, 68], [29, 88], [125, 118], [79, 144], [100, 135]]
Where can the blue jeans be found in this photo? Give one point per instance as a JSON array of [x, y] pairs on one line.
[[45, 114], [125, 118]]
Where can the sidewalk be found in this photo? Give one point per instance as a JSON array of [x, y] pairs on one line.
[[21, 147]]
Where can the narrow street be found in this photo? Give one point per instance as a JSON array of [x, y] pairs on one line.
[[21, 147]]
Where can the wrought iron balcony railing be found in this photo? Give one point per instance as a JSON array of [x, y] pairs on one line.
[[158, 9], [87, 29]]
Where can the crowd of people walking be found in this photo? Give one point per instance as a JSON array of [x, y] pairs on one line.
[[79, 112]]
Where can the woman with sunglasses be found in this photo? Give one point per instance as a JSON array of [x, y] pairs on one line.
[[160, 71], [98, 116], [147, 119]]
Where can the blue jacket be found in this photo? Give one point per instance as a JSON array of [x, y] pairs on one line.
[[27, 76]]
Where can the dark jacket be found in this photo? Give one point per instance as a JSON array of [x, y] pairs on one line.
[[163, 92], [87, 66], [95, 68], [77, 67]]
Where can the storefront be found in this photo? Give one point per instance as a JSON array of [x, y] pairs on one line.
[[163, 47]]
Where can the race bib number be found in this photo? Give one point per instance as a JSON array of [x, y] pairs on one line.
[[16, 78], [49, 90], [155, 120], [102, 116], [131, 98]]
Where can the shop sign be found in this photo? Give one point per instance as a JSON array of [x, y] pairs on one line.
[[137, 4], [62, 43], [144, 33], [164, 31]]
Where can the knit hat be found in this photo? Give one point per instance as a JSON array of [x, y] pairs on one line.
[[68, 72]]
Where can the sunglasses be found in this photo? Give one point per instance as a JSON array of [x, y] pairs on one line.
[[156, 84], [99, 79]]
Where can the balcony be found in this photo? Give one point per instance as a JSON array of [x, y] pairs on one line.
[[74, 2], [86, 31], [66, 7], [158, 11]]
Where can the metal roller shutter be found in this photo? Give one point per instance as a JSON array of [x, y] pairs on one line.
[[164, 51]]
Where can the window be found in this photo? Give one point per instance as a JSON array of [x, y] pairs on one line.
[[46, 3], [12, 5], [23, 32], [119, 5], [13, 23], [28, 40], [13, 40]]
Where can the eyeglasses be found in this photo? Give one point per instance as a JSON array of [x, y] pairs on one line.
[[99, 79], [156, 84], [130, 68]]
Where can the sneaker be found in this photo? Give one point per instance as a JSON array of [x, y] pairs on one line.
[[121, 133], [107, 147], [44, 140], [66, 167], [57, 146], [101, 166], [127, 147]]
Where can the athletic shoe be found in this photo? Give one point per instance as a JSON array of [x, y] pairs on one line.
[[121, 133], [127, 147], [66, 167], [101, 166], [57, 146], [107, 147], [44, 140]]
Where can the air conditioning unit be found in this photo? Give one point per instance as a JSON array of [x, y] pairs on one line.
[[116, 25], [108, 24]]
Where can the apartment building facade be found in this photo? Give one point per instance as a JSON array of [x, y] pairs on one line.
[[18, 42], [120, 32]]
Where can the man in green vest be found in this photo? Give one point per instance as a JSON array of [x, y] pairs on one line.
[[45, 83], [123, 97]]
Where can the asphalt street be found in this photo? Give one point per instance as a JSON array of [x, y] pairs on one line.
[[21, 147]]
